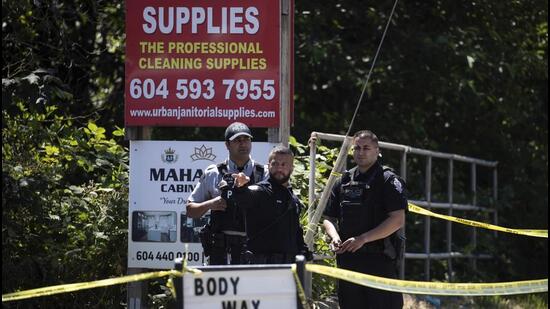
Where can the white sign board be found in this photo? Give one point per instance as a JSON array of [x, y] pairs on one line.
[[162, 176], [240, 288]]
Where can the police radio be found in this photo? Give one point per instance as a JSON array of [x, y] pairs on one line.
[[226, 186]]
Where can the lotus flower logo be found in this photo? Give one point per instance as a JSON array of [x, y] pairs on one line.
[[203, 153]]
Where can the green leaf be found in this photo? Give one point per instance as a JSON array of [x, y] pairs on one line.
[[76, 189], [51, 150], [92, 126], [118, 132]]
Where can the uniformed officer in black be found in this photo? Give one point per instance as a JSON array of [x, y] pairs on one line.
[[272, 213], [367, 208], [225, 233]]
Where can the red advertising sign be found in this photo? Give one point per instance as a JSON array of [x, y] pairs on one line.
[[202, 63]]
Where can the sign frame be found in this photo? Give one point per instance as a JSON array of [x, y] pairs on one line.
[[162, 176], [145, 106], [239, 269]]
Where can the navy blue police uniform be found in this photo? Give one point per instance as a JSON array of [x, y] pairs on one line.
[[272, 222]]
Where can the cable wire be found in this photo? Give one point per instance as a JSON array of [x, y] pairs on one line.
[[372, 67]]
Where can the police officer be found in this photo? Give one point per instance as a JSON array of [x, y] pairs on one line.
[[272, 213], [224, 236], [368, 207]]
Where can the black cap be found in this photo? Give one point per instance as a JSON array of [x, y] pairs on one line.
[[235, 130]]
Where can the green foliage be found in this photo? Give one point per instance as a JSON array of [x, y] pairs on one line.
[[461, 77], [458, 77], [534, 301], [79, 44], [322, 286], [528, 301], [64, 207]]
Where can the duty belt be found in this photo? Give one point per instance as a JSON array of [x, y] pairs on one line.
[[273, 258], [225, 240]]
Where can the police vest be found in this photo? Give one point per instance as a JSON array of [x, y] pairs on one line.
[[362, 204], [232, 219]]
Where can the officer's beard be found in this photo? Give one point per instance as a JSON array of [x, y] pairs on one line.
[[280, 180]]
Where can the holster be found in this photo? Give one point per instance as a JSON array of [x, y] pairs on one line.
[[247, 257], [218, 241], [227, 244], [207, 239]]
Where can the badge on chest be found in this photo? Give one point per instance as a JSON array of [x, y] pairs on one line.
[[355, 190]]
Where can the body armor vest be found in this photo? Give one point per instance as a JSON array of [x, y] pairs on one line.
[[357, 208], [232, 219]]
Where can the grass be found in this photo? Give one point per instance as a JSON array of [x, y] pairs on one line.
[[527, 301]]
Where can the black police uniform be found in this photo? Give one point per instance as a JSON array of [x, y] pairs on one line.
[[360, 202], [230, 219], [272, 217]]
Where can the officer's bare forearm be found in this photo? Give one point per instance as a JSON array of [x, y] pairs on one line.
[[197, 210], [330, 228], [395, 221]]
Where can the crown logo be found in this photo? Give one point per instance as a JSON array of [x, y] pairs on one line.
[[203, 153], [169, 156]]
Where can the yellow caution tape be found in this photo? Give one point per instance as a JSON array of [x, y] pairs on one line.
[[534, 233], [433, 288], [301, 293], [411, 287], [414, 287], [65, 288]]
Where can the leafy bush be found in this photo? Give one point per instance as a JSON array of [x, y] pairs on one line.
[[322, 286], [64, 207]]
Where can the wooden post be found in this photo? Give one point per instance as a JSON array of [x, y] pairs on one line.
[[286, 60], [137, 291]]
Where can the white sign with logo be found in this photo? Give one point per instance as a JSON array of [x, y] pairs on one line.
[[240, 288], [162, 176]]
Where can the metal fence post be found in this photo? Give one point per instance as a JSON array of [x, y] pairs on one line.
[[473, 175], [449, 223], [427, 221], [403, 174]]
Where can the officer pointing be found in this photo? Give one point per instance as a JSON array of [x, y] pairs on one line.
[[272, 212]]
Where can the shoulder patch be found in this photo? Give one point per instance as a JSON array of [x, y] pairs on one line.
[[211, 167], [397, 184]]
